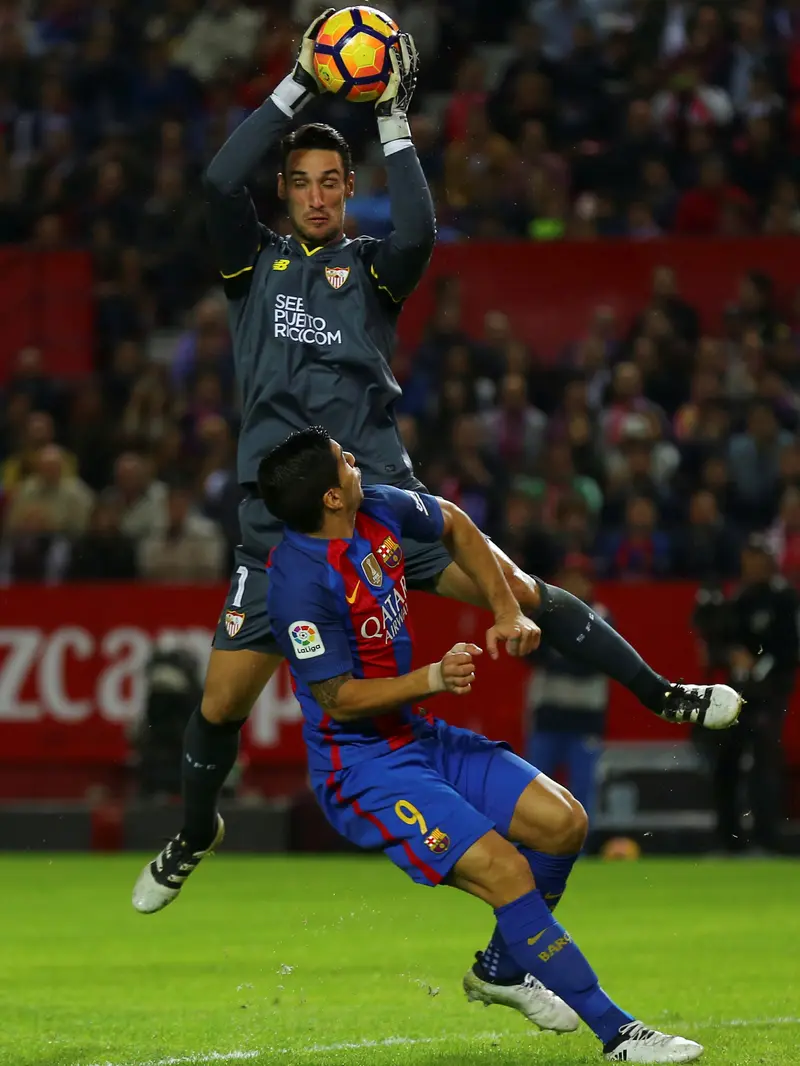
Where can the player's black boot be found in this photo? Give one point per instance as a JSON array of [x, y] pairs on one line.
[[711, 706], [162, 879]]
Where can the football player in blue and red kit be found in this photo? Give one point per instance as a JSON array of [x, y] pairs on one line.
[[445, 804]]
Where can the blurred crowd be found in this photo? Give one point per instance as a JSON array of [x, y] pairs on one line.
[[535, 119], [649, 448]]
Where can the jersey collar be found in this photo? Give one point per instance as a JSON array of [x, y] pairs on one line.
[[317, 253]]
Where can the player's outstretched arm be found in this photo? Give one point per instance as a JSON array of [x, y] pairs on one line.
[[401, 258], [231, 216], [471, 550], [347, 699]]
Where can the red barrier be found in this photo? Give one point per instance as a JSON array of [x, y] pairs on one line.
[[550, 290], [72, 658], [46, 302]]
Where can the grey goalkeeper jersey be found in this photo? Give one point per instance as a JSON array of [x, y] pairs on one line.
[[314, 329]]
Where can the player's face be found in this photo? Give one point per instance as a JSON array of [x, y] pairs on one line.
[[349, 478], [315, 188]]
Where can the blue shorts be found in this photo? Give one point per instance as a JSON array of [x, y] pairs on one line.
[[427, 803]]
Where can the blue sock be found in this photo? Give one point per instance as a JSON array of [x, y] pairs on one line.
[[550, 872], [541, 946]]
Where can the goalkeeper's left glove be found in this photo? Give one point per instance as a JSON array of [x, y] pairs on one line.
[[392, 107], [298, 87]]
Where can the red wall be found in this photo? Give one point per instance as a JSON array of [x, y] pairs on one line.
[[71, 662], [550, 290]]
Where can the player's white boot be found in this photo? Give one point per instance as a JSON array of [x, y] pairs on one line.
[[531, 998], [637, 1043], [712, 706], [162, 879]]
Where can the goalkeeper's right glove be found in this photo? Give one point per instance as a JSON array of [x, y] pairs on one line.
[[392, 107], [301, 85]]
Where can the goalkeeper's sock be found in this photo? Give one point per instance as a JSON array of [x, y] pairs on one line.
[[209, 755], [550, 872], [578, 632], [541, 946]]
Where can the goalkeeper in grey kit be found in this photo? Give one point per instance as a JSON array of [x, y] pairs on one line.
[[313, 319]]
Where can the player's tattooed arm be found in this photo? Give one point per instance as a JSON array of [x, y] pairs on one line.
[[326, 693]]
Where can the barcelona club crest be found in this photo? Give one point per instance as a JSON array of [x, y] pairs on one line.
[[372, 572], [337, 276], [390, 553], [437, 841], [233, 622]]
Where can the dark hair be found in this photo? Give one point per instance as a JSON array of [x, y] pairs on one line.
[[295, 476], [316, 135]]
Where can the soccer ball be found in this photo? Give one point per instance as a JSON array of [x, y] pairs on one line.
[[620, 849], [351, 54]]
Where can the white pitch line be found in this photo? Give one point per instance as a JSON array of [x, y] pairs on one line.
[[405, 1041]]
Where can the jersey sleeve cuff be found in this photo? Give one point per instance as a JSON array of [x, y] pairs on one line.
[[397, 146]]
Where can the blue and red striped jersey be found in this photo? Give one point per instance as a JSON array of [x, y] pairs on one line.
[[341, 606]]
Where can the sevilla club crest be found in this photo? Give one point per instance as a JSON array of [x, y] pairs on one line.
[[337, 276]]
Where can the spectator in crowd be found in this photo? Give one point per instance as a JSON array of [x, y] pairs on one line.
[[559, 479], [39, 431], [640, 549], [567, 703], [31, 551], [762, 652], [188, 549], [706, 210], [525, 537], [783, 537], [515, 428], [103, 552], [755, 462], [705, 549], [141, 499], [62, 498]]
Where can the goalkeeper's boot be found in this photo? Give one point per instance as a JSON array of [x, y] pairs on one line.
[[712, 706], [525, 994], [162, 879], [636, 1043]]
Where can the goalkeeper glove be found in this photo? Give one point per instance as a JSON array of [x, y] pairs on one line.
[[301, 85], [392, 107]]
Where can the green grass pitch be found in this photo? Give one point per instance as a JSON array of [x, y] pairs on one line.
[[343, 962]]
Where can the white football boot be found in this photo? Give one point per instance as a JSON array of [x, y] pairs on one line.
[[162, 879], [530, 997], [637, 1043], [711, 706]]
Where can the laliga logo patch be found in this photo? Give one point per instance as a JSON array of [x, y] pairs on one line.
[[234, 620], [437, 841], [390, 553], [372, 571], [337, 276], [306, 640]]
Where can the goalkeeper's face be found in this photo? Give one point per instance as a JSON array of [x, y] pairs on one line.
[[316, 189]]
